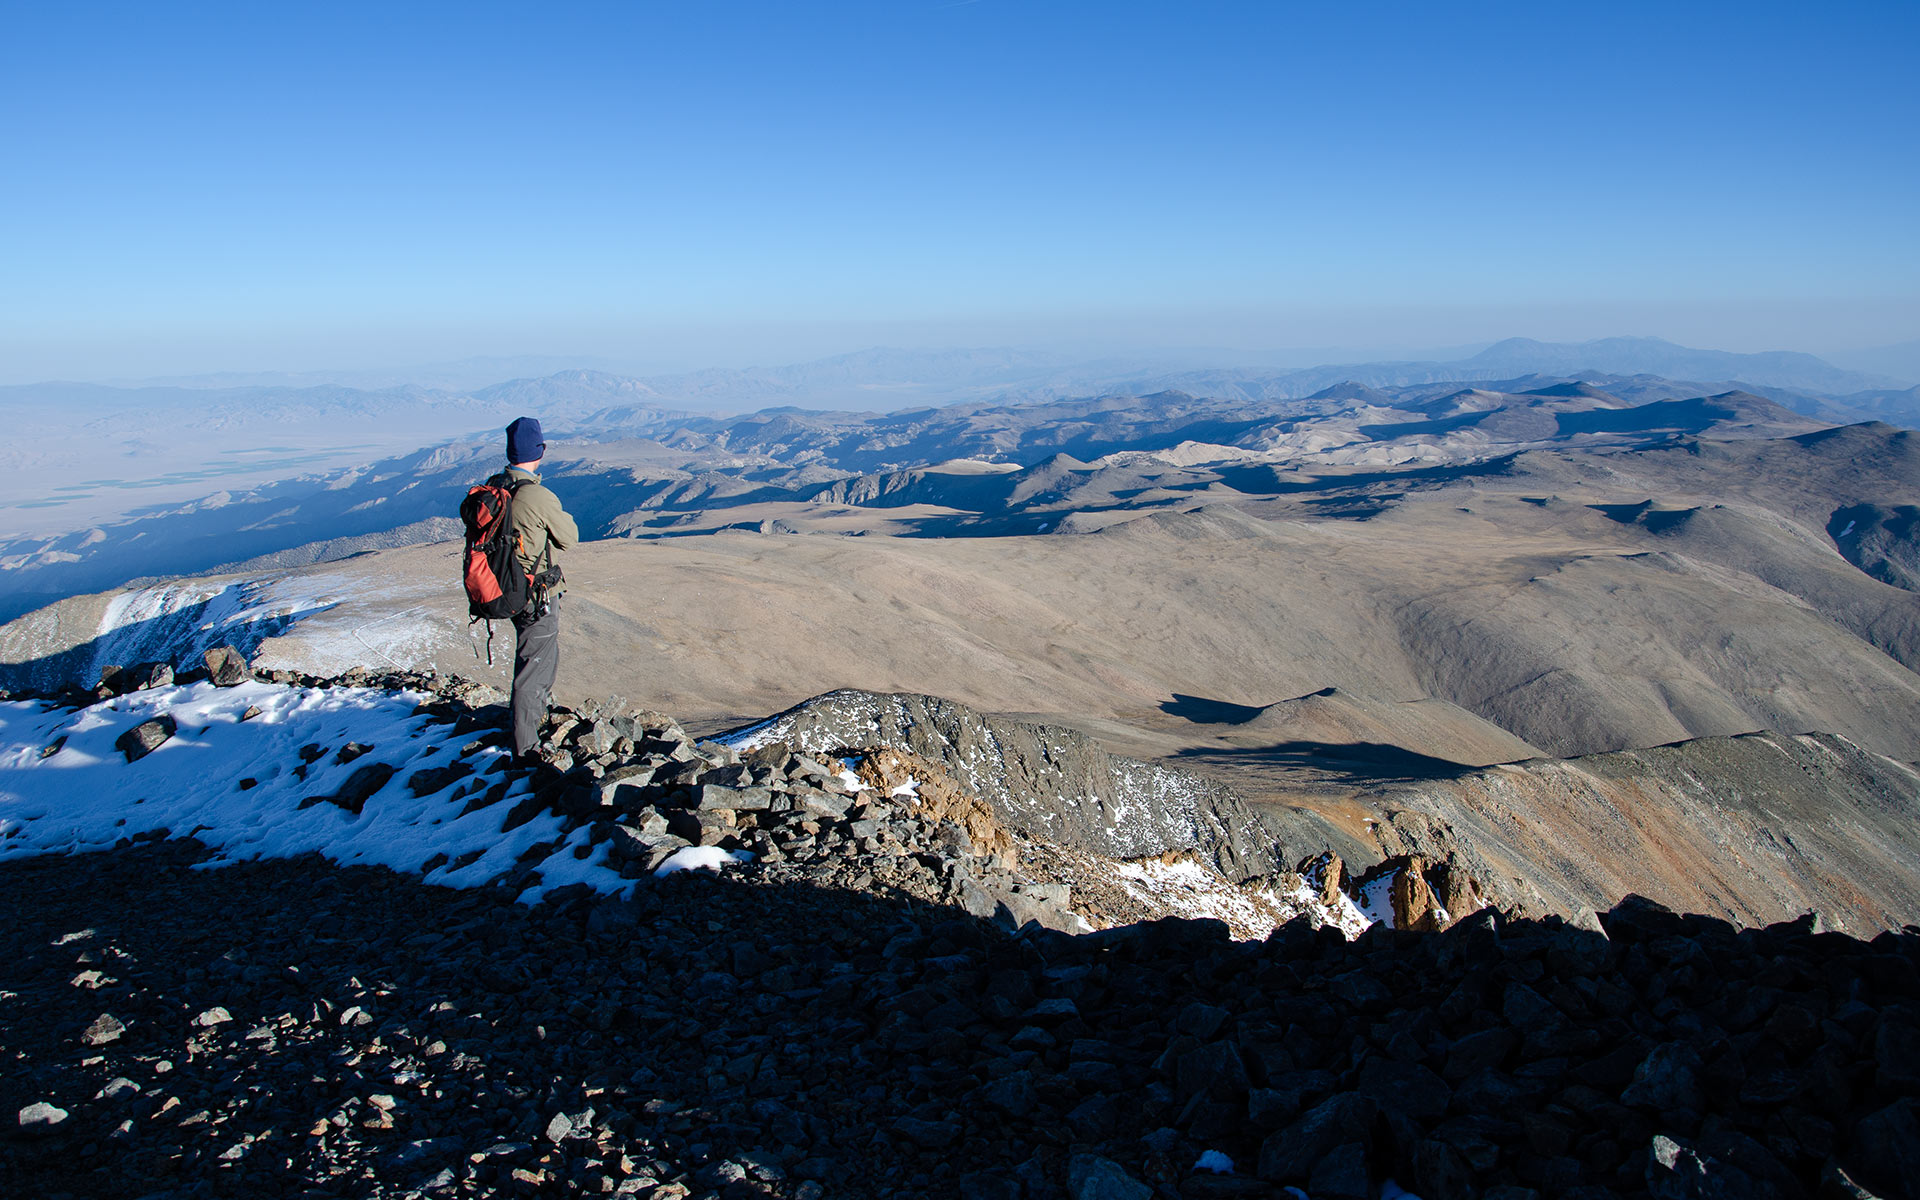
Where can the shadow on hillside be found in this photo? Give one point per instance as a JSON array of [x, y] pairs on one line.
[[193, 539], [1202, 711], [178, 638], [1265, 478], [1355, 762]]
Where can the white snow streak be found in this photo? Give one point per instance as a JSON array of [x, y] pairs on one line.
[[85, 796]]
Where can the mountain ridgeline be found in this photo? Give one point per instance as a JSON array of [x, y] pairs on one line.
[[648, 471]]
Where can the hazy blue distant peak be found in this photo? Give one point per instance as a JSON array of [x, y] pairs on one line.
[[463, 375], [1349, 390], [885, 379], [1900, 362], [1655, 356]]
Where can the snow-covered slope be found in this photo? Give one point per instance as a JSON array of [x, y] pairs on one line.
[[242, 785]]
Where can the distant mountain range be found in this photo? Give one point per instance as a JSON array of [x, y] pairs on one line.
[[101, 454], [882, 372], [1652, 356], [629, 466], [883, 379], [462, 375]]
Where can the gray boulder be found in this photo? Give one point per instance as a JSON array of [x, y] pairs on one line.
[[1676, 1172], [1294, 1153], [143, 739], [227, 667], [644, 849], [733, 799], [105, 1028], [1012, 1094], [1405, 1087], [1091, 1177], [1885, 1154], [359, 787], [142, 676], [40, 1118], [1669, 1079], [1341, 1174]]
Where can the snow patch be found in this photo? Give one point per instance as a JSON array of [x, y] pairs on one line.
[[701, 858], [752, 737], [1376, 900], [178, 622], [241, 786], [1214, 1162]]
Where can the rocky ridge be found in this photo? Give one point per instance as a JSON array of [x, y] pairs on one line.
[[1748, 828], [1051, 783], [634, 793], [921, 796]]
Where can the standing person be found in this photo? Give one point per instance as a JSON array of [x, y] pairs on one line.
[[541, 527]]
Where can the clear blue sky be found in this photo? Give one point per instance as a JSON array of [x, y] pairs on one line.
[[199, 187]]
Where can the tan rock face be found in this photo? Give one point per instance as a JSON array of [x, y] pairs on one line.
[[1414, 904], [939, 795], [1457, 893], [1754, 829], [1332, 879]]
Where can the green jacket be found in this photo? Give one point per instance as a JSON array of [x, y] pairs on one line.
[[540, 522]]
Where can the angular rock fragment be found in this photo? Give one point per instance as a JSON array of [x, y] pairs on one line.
[[733, 799], [358, 789], [1667, 1081], [40, 1118], [104, 1029], [142, 676], [1341, 1174], [227, 667], [1676, 1172], [143, 739], [1091, 1177], [429, 780]]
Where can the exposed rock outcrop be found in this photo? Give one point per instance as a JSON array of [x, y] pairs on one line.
[[1046, 781], [1754, 828]]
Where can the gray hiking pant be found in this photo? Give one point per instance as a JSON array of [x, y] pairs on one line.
[[536, 664]]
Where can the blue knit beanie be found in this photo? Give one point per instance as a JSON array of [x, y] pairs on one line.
[[525, 442]]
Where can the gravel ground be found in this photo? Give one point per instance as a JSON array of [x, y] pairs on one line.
[[293, 1028]]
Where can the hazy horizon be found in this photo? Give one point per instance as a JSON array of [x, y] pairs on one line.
[[1897, 362]]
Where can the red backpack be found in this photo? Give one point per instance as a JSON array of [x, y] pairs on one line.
[[497, 585]]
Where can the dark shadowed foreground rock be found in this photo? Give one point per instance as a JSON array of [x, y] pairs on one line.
[[295, 1029]]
